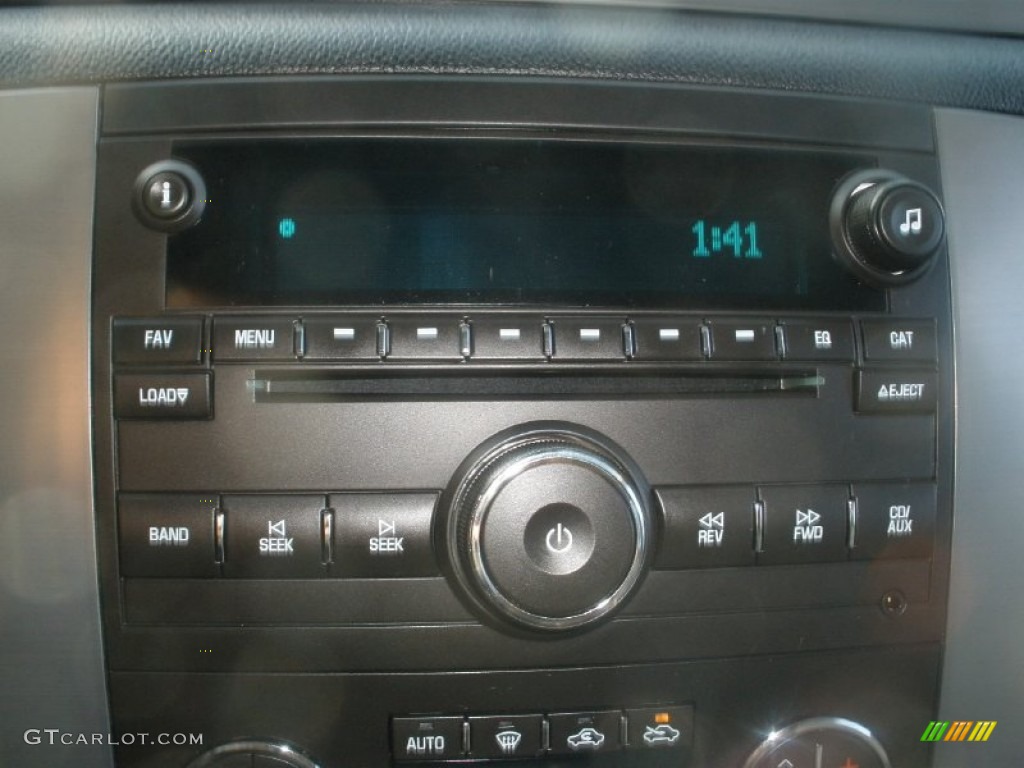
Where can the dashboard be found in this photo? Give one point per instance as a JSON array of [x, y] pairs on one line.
[[510, 384]]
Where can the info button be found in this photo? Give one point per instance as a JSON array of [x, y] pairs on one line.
[[383, 534]]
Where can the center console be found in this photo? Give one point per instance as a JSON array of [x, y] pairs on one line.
[[563, 423]]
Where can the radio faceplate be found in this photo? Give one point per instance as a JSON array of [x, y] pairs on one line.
[[275, 475]]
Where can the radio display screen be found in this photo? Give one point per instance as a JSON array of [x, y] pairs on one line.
[[503, 222]]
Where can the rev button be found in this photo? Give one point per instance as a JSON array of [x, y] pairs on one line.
[[162, 396]]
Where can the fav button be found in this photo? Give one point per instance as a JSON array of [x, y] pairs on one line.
[[273, 536], [142, 340], [162, 396], [383, 535]]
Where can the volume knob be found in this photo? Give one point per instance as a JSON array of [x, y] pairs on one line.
[[548, 527], [886, 228]]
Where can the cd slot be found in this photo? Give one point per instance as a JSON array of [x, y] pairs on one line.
[[306, 386]]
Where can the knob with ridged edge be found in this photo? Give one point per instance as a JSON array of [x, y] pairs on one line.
[[886, 229], [548, 527]]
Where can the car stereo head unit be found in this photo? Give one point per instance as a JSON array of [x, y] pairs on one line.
[[523, 443]]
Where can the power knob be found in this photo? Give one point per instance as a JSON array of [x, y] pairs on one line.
[[886, 229], [548, 527]]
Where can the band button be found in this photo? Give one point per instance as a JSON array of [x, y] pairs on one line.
[[166, 535]]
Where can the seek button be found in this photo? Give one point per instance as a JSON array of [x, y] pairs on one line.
[[383, 535]]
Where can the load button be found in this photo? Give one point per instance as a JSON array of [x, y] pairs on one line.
[[162, 396], [880, 391]]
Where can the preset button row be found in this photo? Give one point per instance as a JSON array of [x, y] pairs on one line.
[[496, 737], [524, 338]]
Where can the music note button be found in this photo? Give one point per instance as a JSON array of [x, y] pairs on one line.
[[911, 221]]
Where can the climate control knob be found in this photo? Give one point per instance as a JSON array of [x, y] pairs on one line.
[[886, 228], [548, 527], [820, 742]]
